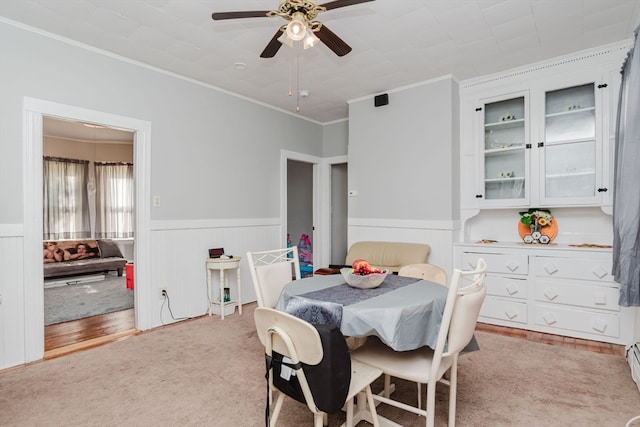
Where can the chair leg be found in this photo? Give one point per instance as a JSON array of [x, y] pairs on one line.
[[431, 403], [387, 385], [349, 421], [372, 406], [317, 419], [325, 419], [276, 410], [453, 390], [419, 395]]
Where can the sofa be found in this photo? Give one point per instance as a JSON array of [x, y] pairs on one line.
[[77, 257], [384, 255]]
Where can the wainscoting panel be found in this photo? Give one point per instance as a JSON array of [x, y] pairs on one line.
[[178, 262], [438, 234], [12, 303]]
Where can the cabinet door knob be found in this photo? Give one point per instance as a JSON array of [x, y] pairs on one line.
[[478, 196], [603, 190], [540, 144], [602, 85]]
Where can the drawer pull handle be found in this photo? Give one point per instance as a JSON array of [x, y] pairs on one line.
[[550, 293], [513, 266], [549, 318], [551, 269], [600, 272], [599, 298], [512, 289], [511, 313], [599, 326]]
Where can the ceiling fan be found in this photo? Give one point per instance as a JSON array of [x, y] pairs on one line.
[[301, 15]]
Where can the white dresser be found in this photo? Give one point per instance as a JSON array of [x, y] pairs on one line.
[[555, 289]]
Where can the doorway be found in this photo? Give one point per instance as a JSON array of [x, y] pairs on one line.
[[300, 208], [86, 307], [323, 184], [33, 112]]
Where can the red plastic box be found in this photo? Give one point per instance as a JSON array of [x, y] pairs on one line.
[[128, 268]]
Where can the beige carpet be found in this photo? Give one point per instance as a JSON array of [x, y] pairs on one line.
[[210, 372]]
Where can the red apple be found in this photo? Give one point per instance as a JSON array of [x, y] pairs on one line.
[[362, 267]]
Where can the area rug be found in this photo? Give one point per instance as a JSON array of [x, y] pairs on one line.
[[71, 302]]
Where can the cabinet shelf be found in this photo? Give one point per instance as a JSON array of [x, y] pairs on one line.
[[570, 174], [504, 125], [570, 112], [501, 180], [504, 150]]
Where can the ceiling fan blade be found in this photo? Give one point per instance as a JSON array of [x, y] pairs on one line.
[[242, 14], [272, 47], [342, 3], [333, 42]]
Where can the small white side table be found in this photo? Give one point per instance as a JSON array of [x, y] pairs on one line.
[[222, 265]]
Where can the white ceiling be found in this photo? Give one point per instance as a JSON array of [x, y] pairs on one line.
[[395, 43]]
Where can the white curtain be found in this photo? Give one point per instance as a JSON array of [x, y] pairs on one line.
[[626, 196], [65, 204], [114, 200]]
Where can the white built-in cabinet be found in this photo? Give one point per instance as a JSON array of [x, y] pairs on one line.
[[543, 146], [561, 291], [544, 137]]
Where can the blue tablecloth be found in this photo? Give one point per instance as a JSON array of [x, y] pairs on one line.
[[404, 313]]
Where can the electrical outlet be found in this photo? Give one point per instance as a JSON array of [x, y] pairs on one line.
[[163, 293]]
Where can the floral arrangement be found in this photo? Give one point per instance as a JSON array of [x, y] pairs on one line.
[[537, 217]]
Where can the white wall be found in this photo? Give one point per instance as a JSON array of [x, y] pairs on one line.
[[403, 162], [218, 179]]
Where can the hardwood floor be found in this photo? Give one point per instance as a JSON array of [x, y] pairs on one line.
[[65, 338], [575, 343]]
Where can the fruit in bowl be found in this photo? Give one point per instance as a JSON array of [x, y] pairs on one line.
[[363, 275], [363, 268]]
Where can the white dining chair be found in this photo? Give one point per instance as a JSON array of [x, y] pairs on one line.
[[425, 271], [300, 341], [427, 366], [270, 271]]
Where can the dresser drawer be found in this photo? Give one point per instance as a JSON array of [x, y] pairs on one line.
[[574, 268], [498, 263], [511, 287], [502, 309], [567, 319], [581, 295]]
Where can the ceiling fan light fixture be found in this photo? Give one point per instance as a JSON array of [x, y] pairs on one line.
[[285, 40], [296, 29], [310, 39]]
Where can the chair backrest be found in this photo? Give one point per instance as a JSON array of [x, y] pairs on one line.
[[271, 271], [464, 300], [291, 337], [430, 272]]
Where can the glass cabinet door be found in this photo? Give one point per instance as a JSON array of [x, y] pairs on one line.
[[569, 161], [505, 154]]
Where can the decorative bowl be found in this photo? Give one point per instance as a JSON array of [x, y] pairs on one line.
[[368, 281]]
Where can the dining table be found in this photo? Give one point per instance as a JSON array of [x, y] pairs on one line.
[[405, 313]]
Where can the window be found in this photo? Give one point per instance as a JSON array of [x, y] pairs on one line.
[[65, 204], [114, 200]]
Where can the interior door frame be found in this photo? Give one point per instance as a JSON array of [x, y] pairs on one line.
[[33, 112], [318, 244], [321, 237], [326, 203]]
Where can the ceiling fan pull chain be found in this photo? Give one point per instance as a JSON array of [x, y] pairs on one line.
[[297, 83]]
